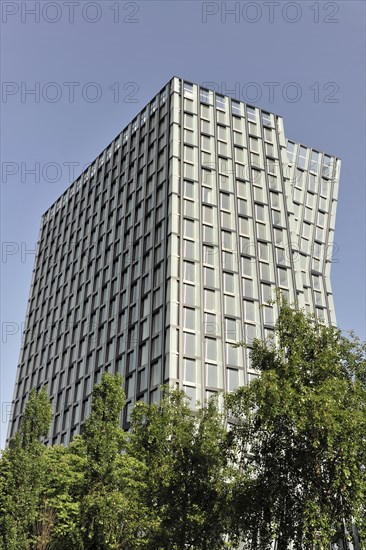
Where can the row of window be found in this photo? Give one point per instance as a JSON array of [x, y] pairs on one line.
[[221, 103]]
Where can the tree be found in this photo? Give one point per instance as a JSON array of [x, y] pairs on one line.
[[187, 472], [21, 476], [112, 514], [64, 474], [300, 437]]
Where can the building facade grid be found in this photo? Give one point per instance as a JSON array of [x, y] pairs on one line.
[[165, 251]]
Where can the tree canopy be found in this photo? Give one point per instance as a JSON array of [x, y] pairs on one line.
[[284, 459], [300, 434], [187, 471], [22, 468]]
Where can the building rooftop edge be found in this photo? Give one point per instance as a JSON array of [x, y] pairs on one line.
[[164, 86]]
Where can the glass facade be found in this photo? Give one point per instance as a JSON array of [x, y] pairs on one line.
[[165, 251]]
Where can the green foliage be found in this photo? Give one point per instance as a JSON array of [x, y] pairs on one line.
[[291, 468], [84, 496], [112, 514], [186, 471], [21, 476], [301, 437], [63, 485]]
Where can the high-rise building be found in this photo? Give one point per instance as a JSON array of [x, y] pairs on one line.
[[164, 251]]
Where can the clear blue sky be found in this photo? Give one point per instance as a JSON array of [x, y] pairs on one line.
[[132, 49]]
